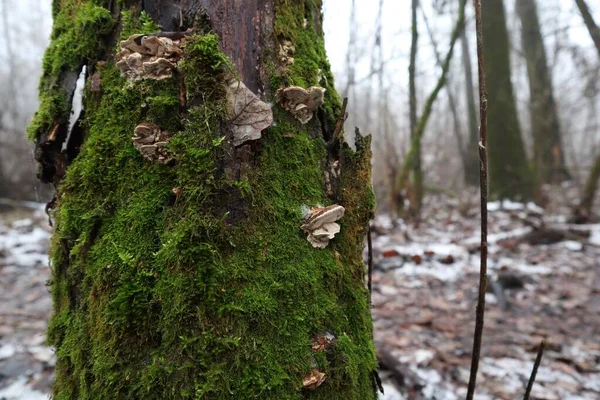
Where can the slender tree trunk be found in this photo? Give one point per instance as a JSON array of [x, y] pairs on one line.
[[451, 100], [472, 160], [584, 211], [589, 23], [415, 145], [510, 174], [548, 157], [416, 186], [180, 261]]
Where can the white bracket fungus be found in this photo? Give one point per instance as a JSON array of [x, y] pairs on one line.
[[151, 141], [248, 115], [300, 102], [320, 224], [148, 57]]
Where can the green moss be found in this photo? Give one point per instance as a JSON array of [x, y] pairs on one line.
[[132, 23], [160, 295], [77, 39], [310, 67]]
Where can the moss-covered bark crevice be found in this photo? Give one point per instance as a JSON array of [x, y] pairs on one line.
[[159, 293]]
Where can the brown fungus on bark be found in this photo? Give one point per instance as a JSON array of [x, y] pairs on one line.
[[300, 102], [320, 225], [313, 379], [151, 141], [322, 342], [286, 53], [148, 57], [248, 114]]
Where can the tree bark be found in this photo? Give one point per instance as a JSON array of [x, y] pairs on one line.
[[510, 174], [583, 212], [192, 277], [472, 159], [548, 157], [589, 23], [416, 186]]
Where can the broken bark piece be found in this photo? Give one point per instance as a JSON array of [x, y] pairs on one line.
[[148, 57], [151, 141], [300, 102], [313, 379], [248, 114], [321, 226]]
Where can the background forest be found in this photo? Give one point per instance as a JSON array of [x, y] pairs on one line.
[[410, 77]]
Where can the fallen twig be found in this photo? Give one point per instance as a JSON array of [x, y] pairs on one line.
[[483, 182], [536, 365]]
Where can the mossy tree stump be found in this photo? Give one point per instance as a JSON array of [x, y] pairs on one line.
[[192, 277]]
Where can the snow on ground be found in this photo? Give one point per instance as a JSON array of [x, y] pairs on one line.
[[425, 290], [424, 294], [26, 364]]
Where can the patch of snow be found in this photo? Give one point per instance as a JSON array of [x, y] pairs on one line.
[[509, 205], [423, 356], [43, 354], [572, 245], [496, 237], [595, 237], [19, 390], [490, 298], [446, 273], [517, 265], [7, 351], [390, 393], [22, 223]]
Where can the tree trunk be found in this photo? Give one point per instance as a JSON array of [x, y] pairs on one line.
[[548, 157], [416, 186], [180, 268], [584, 211], [589, 23], [472, 158], [510, 175]]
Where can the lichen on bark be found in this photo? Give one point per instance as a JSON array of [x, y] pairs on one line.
[[187, 280]]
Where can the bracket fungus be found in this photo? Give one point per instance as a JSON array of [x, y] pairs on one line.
[[300, 102], [148, 57], [323, 342], [151, 141], [313, 379], [286, 52], [248, 114], [321, 226]]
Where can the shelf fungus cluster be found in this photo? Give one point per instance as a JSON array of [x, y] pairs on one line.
[[248, 114], [151, 141], [286, 53], [300, 102], [323, 342], [320, 224], [148, 57], [313, 379]]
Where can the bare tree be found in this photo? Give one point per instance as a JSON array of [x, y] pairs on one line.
[[589, 23], [510, 174], [548, 157]]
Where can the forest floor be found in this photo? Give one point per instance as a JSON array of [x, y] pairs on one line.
[[545, 272]]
